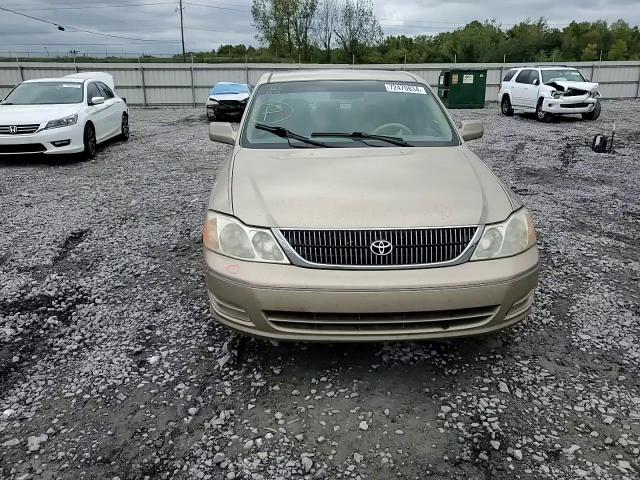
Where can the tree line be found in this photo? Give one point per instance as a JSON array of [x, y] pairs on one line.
[[345, 31]]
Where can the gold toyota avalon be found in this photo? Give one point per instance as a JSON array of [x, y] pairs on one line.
[[350, 209]]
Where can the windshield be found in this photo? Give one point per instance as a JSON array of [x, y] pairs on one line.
[[568, 75], [222, 88], [406, 111], [46, 93]]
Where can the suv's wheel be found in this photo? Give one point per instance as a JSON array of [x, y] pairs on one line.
[[90, 142], [505, 106], [594, 114], [541, 115], [124, 127]]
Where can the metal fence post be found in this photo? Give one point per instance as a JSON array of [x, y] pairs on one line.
[[193, 87], [144, 87], [638, 89], [20, 73]]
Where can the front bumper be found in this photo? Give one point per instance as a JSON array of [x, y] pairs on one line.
[[222, 110], [287, 302], [569, 105], [41, 142]]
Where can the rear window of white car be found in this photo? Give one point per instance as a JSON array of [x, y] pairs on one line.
[[403, 110], [509, 75], [46, 93]]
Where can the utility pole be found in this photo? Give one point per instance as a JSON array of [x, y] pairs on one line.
[[182, 33]]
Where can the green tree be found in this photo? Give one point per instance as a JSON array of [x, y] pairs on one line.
[[357, 28], [285, 24], [324, 25], [589, 52], [618, 50]]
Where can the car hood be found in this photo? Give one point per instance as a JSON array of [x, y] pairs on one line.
[[31, 114], [586, 86], [229, 96], [365, 188]]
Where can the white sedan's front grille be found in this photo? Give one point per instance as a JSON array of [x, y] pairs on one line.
[[19, 129]]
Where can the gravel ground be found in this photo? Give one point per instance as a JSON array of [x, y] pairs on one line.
[[111, 365]]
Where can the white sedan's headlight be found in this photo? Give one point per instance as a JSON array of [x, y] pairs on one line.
[[228, 236], [63, 122], [511, 237]]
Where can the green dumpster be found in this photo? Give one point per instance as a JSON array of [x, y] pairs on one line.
[[462, 87]]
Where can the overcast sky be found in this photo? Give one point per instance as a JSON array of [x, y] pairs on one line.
[[211, 23]]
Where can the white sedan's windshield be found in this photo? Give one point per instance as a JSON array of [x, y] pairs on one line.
[[46, 93], [406, 111], [561, 76]]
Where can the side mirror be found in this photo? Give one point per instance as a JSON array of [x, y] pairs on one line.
[[471, 129], [536, 81], [97, 100], [222, 132]]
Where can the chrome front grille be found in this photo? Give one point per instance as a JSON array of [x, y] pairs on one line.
[[19, 129], [353, 248]]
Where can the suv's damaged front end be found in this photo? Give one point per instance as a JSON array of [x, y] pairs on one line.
[[571, 97]]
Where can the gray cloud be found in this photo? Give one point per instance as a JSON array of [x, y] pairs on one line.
[[208, 26]]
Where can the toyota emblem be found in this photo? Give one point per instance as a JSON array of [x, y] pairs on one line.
[[13, 129], [381, 247]]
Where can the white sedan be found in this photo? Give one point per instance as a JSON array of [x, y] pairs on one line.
[[62, 115]]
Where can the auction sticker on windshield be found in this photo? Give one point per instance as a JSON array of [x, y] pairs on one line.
[[404, 88]]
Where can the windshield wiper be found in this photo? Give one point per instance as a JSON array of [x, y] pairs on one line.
[[6, 103], [362, 135], [288, 134]]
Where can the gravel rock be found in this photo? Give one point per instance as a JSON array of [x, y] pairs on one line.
[[107, 340]]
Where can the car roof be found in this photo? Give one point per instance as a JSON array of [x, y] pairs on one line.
[[337, 74], [231, 83], [56, 79], [559, 67], [541, 67]]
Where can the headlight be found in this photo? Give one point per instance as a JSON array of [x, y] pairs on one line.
[[556, 94], [511, 237], [63, 122], [228, 236], [212, 103]]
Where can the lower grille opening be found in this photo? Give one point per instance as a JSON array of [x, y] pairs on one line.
[[23, 148], [373, 323], [575, 105]]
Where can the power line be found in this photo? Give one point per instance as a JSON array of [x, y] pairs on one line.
[[64, 27], [215, 7], [84, 7], [74, 43]]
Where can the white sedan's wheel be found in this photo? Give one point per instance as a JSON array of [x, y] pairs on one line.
[[90, 142], [124, 127]]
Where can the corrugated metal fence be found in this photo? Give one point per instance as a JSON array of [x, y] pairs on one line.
[[155, 84]]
